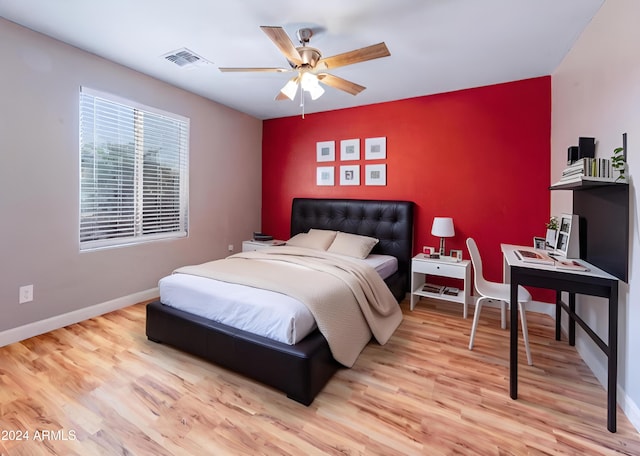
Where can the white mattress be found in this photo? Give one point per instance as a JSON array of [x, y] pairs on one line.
[[262, 312]]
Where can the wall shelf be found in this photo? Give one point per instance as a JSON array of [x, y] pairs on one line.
[[584, 184]]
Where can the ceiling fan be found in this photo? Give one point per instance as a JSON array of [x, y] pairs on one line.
[[310, 65]]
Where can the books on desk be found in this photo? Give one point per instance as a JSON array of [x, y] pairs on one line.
[[570, 265], [531, 256]]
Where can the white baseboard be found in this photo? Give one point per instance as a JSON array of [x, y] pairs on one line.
[[630, 409], [586, 349], [36, 328], [533, 306]]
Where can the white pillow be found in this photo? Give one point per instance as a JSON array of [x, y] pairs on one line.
[[314, 239], [353, 245]]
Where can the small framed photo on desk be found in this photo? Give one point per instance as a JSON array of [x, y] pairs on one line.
[[539, 243], [456, 254]]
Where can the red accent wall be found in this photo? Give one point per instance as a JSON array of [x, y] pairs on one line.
[[481, 156]]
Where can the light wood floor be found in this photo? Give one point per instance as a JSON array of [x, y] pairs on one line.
[[105, 389]]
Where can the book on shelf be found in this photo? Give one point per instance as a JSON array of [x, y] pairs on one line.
[[570, 265], [590, 169], [531, 256], [451, 291], [433, 288]]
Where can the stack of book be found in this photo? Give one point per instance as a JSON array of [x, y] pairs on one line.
[[593, 169], [451, 291], [433, 288], [531, 256], [440, 289]]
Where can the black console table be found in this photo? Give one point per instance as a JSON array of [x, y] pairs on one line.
[[603, 213], [594, 282]]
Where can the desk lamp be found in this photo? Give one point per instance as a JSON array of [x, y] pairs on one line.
[[442, 227]]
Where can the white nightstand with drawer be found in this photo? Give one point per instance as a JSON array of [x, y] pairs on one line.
[[422, 266], [248, 246]]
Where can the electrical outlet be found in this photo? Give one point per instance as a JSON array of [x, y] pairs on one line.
[[230, 247], [26, 294]]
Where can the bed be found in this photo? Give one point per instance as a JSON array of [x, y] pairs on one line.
[[300, 370]]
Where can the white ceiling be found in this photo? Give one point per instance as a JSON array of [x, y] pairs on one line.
[[436, 45]]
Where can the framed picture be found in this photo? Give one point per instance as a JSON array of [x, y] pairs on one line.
[[350, 175], [567, 240], [324, 175], [375, 148], [375, 175], [350, 149], [457, 254], [539, 243], [428, 250], [326, 151], [550, 240]]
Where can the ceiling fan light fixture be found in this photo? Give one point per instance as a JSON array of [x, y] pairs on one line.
[[309, 82], [316, 92], [290, 89]]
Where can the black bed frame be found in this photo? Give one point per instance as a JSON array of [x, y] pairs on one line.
[[299, 370]]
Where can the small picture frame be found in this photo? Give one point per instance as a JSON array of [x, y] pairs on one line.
[[456, 254], [428, 250], [350, 149], [375, 175], [325, 176], [375, 148], [539, 243], [325, 151], [550, 240], [350, 175]]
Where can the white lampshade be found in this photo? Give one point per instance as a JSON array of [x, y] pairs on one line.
[[442, 227]]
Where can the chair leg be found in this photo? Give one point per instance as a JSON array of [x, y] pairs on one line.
[[503, 314], [525, 333], [476, 317]]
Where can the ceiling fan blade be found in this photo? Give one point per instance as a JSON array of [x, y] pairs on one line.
[[263, 70], [283, 42], [374, 51], [339, 83]]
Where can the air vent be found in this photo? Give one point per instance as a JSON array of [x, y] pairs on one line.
[[185, 58]]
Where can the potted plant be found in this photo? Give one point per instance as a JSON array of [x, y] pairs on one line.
[[619, 163]]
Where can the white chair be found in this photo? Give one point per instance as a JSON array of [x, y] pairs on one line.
[[499, 292]]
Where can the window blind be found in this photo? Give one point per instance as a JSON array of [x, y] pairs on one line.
[[133, 172]]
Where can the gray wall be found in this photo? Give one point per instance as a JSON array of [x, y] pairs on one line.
[[596, 93], [39, 84]]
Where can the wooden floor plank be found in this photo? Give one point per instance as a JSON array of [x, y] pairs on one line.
[[100, 387]]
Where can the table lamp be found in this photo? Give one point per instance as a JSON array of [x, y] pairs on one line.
[[442, 227]]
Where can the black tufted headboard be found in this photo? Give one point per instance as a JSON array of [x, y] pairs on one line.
[[389, 221]]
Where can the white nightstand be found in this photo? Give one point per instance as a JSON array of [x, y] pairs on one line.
[[248, 246], [422, 266]]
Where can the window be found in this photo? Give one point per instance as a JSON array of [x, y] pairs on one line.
[[133, 172]]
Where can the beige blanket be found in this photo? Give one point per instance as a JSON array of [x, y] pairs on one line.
[[348, 300]]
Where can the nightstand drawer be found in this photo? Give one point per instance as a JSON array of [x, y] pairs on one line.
[[456, 271]]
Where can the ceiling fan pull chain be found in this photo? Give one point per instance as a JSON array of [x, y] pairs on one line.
[[302, 99]]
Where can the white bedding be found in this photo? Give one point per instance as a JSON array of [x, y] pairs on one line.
[[266, 313]]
